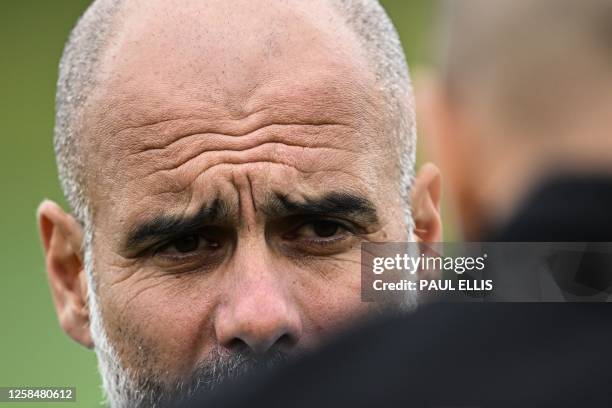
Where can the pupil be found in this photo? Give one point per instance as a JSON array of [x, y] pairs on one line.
[[325, 229], [187, 244]]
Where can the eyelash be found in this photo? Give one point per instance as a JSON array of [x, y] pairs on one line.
[[345, 231], [327, 242], [177, 262]]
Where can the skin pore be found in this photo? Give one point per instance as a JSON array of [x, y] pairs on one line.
[[231, 185]]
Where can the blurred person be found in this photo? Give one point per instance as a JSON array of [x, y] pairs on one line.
[[519, 120], [222, 161], [524, 93]]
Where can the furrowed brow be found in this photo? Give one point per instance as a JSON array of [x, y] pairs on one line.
[[163, 227], [331, 204]]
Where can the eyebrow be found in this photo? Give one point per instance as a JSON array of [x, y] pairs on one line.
[[167, 227], [331, 204], [164, 227]]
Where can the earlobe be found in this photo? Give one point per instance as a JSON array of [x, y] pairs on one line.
[[62, 238], [426, 196]]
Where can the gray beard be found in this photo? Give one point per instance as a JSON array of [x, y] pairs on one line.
[[150, 391], [127, 388]]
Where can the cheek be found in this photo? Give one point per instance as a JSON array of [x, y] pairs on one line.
[[158, 326], [330, 297]]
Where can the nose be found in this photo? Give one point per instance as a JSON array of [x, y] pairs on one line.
[[259, 312]]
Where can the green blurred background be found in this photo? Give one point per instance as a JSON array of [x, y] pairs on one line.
[[34, 351]]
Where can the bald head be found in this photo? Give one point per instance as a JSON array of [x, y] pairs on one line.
[[220, 41]]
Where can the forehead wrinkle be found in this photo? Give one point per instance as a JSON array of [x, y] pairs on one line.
[[309, 149], [167, 130], [178, 179], [201, 157], [242, 141], [271, 154], [230, 150], [323, 98], [190, 186], [309, 182], [320, 102], [322, 82]]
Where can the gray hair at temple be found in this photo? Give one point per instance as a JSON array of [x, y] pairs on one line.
[[85, 50]]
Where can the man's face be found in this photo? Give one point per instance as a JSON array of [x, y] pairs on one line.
[[236, 161]]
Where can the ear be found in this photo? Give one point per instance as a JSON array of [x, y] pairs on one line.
[[62, 238], [426, 195]]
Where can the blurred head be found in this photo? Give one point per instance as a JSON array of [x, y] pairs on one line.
[[223, 160], [522, 91]]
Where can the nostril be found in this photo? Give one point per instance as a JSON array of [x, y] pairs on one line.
[[237, 345], [285, 342]]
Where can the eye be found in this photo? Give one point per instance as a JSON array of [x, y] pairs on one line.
[[187, 245], [191, 243], [325, 229], [318, 231], [320, 237], [193, 252]]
